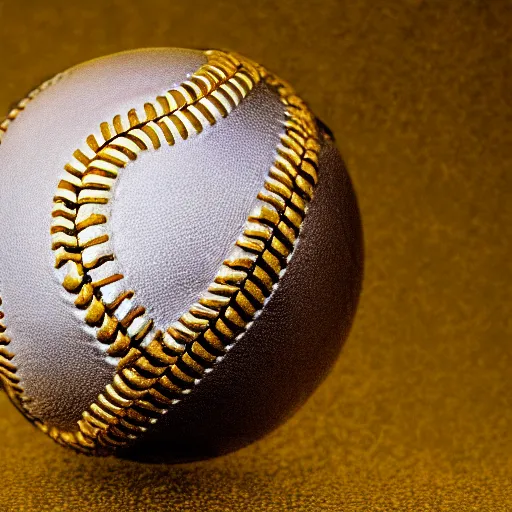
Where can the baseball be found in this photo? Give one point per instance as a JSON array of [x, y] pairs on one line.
[[180, 254]]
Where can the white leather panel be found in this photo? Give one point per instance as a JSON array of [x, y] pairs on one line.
[[179, 209], [61, 365]]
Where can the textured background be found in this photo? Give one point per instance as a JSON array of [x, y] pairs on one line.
[[417, 413]]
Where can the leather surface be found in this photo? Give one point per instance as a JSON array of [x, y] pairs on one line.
[[290, 347], [416, 414], [61, 365], [178, 210]]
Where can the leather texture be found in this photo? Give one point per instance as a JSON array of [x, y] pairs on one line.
[[61, 365], [178, 210], [291, 346]]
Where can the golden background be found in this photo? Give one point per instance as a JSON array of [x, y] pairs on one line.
[[417, 414]]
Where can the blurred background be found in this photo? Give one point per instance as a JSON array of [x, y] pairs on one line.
[[417, 414]]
